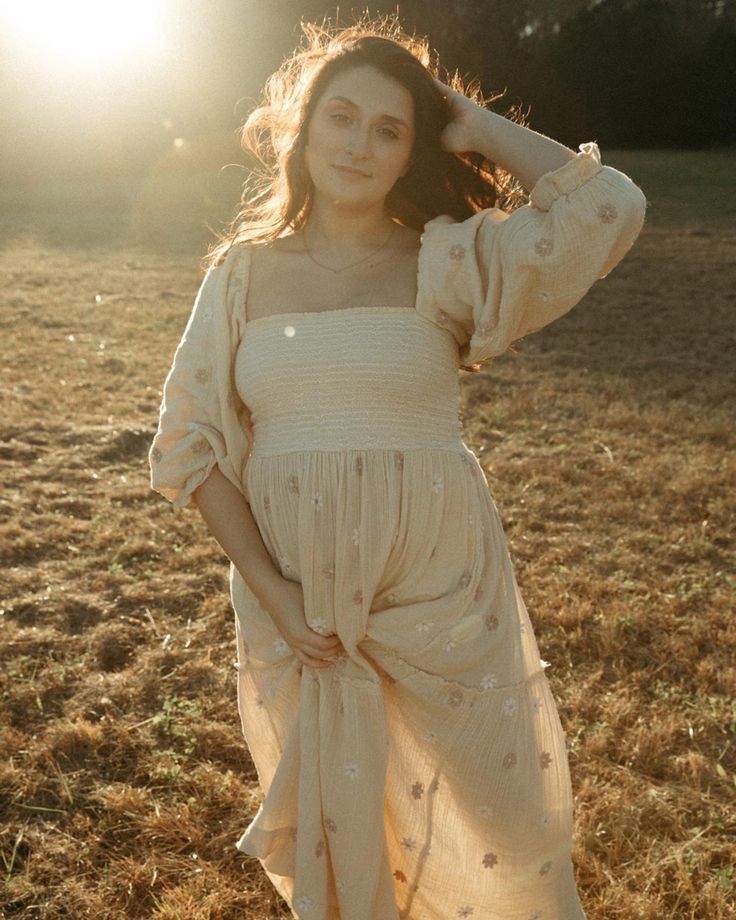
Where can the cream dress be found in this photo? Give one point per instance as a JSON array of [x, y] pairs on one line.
[[426, 777]]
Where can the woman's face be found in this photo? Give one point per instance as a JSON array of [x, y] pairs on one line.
[[360, 137]]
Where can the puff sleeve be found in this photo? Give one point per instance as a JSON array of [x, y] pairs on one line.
[[497, 276], [202, 420]]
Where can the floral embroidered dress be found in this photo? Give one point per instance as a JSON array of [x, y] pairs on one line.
[[425, 777]]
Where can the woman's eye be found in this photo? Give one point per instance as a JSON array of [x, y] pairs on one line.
[[389, 132], [339, 116]]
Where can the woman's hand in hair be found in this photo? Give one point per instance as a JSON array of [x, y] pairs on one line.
[[461, 134]]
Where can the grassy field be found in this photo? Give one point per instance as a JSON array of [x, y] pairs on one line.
[[608, 442]]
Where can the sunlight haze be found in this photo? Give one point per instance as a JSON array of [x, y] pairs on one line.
[[84, 32]]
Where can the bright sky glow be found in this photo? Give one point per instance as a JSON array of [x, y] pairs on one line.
[[84, 32]]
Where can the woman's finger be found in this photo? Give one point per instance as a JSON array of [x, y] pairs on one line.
[[313, 662], [320, 651], [323, 642]]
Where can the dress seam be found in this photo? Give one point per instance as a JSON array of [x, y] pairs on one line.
[[343, 450]]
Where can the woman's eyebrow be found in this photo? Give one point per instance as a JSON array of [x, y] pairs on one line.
[[392, 118]]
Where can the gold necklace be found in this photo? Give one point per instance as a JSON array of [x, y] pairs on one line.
[[337, 271]]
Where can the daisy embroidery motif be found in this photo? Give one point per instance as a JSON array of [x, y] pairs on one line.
[[510, 706], [465, 911], [490, 860], [352, 770], [489, 682], [317, 500], [417, 790], [356, 537], [408, 843], [304, 903], [437, 482], [607, 213]]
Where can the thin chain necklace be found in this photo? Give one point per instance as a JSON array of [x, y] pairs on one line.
[[337, 271]]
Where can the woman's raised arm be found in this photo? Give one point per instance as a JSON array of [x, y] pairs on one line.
[[518, 150]]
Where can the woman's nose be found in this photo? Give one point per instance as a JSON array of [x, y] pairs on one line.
[[358, 146]]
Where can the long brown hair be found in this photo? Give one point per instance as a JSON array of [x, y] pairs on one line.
[[277, 193]]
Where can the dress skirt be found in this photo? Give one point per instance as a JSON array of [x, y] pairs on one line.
[[426, 776]]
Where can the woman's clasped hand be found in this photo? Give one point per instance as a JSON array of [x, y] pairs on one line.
[[310, 647]]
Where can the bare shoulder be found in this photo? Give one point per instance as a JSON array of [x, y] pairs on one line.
[[275, 269], [273, 253], [274, 258]]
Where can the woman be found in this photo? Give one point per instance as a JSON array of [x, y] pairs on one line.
[[390, 688]]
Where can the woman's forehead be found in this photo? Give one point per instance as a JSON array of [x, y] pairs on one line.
[[367, 88]]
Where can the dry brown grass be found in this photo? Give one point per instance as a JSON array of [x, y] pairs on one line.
[[608, 444]]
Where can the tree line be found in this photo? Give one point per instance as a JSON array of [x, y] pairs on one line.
[[627, 73]]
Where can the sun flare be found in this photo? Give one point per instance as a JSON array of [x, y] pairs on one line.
[[84, 31]]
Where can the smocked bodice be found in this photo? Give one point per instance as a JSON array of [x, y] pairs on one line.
[[357, 377]]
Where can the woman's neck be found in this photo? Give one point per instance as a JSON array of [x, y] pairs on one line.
[[338, 228]]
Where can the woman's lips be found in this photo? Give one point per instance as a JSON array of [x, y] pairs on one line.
[[350, 171]]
